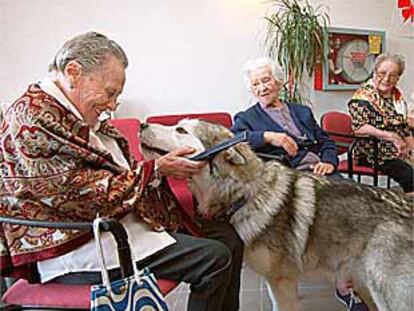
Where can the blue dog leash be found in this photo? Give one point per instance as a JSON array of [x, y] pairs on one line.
[[212, 152]]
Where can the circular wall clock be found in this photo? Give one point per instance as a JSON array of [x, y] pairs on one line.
[[355, 61]]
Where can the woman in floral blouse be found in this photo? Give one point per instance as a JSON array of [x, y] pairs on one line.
[[378, 109]]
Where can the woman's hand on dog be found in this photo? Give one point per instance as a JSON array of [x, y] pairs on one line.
[[281, 140], [322, 169], [175, 165]]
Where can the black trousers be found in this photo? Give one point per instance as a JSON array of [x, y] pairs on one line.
[[210, 265], [401, 172]]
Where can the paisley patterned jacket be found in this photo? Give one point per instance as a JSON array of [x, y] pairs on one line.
[[49, 171]]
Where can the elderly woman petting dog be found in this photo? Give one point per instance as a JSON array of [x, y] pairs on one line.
[[58, 162], [379, 110], [280, 128]]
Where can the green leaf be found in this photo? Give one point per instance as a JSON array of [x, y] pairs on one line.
[[297, 37]]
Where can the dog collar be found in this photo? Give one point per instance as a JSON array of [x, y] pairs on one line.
[[235, 207]]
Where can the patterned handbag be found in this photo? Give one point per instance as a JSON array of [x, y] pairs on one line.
[[139, 292]]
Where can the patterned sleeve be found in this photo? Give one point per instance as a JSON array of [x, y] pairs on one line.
[[407, 131], [360, 113]]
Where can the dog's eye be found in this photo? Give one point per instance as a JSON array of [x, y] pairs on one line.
[[181, 130]]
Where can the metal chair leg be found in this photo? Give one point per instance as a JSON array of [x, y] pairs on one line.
[[275, 307]]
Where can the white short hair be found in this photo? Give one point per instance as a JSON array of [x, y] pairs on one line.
[[251, 65]]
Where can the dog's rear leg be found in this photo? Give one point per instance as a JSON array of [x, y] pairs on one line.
[[389, 268], [286, 293], [393, 292]]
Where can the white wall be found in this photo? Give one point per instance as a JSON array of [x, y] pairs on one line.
[[185, 55]]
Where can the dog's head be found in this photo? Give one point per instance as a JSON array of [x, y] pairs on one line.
[[234, 166], [157, 140]]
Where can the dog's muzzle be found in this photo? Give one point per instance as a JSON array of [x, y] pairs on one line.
[[156, 150]]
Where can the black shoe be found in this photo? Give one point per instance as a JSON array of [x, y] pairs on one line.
[[351, 301]]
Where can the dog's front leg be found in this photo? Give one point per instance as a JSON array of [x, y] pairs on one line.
[[286, 293]]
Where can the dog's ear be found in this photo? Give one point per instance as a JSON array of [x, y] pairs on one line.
[[234, 157]]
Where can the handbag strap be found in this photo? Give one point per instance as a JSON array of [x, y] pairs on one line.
[[98, 244], [101, 258]]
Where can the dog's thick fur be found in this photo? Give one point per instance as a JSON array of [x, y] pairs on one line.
[[295, 223]]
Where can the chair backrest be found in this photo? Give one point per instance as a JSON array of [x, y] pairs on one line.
[[222, 118], [340, 123], [130, 129]]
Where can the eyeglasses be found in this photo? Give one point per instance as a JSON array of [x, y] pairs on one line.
[[265, 81], [391, 76]]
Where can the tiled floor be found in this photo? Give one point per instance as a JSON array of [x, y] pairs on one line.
[[315, 295]]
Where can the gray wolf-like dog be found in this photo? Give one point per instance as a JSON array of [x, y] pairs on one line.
[[294, 223]]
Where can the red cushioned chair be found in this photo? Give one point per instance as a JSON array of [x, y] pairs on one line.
[[59, 296], [339, 127], [222, 118], [130, 128], [180, 187]]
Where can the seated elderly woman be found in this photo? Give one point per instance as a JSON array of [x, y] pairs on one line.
[[378, 109], [279, 128], [57, 162]]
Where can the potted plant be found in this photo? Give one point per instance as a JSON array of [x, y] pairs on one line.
[[297, 37]]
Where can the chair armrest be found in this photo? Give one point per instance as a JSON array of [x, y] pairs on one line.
[[108, 225], [352, 146], [353, 136], [47, 224], [357, 138]]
